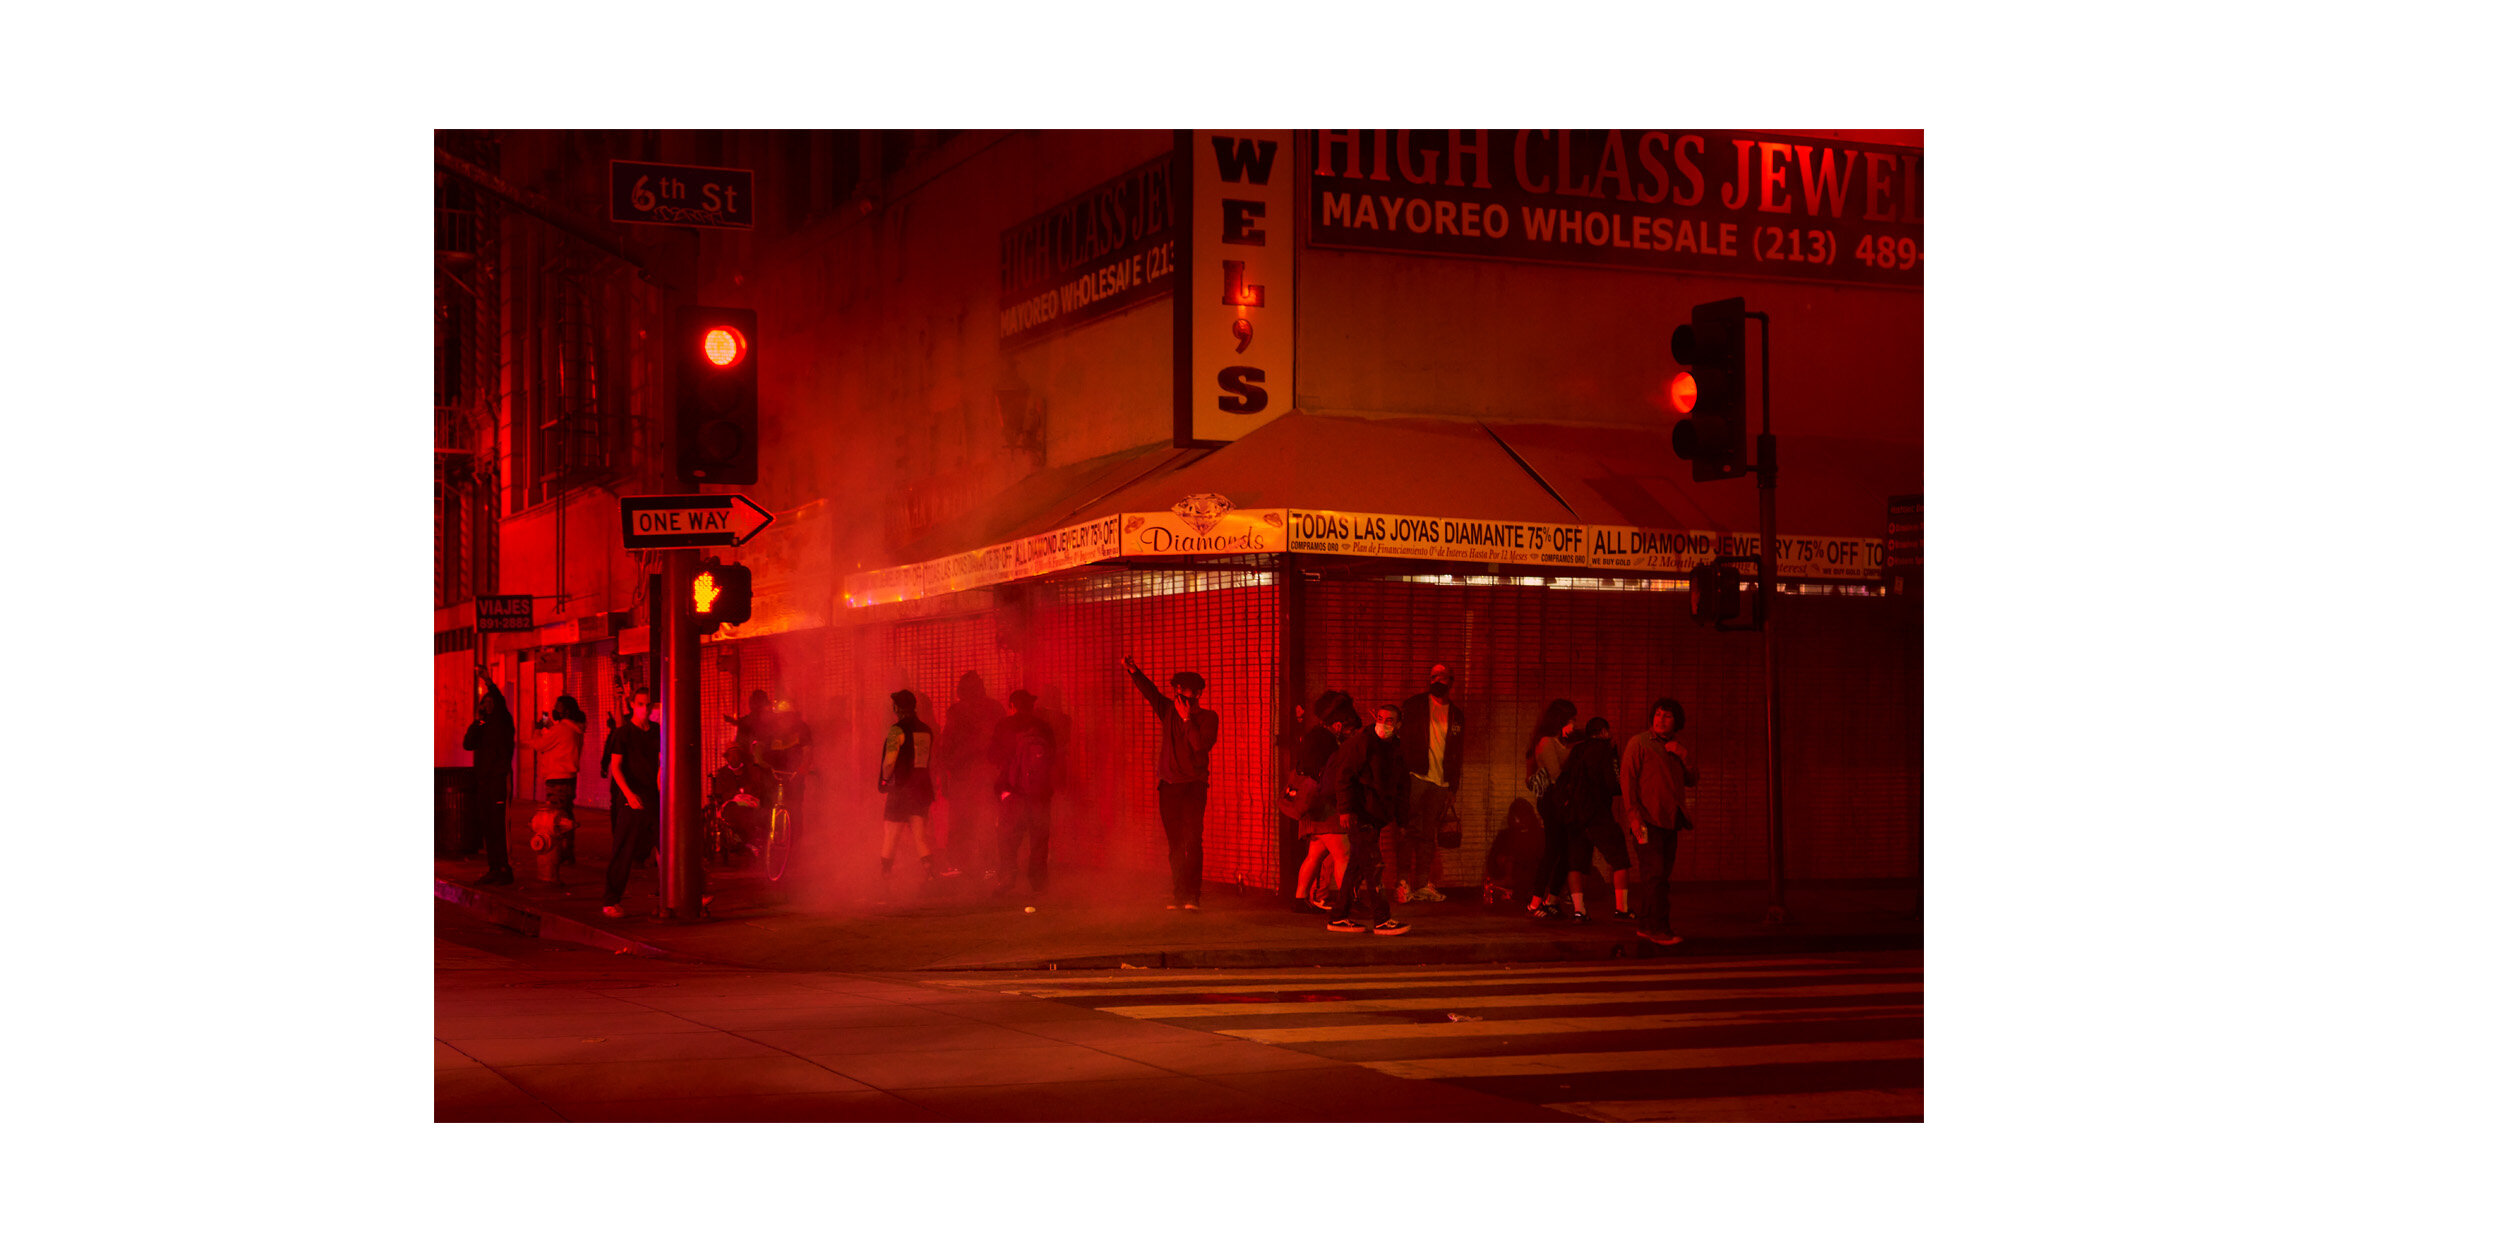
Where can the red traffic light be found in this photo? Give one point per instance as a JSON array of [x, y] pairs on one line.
[[723, 345], [1682, 391]]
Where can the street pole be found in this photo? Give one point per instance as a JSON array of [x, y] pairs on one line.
[[681, 733], [681, 889], [1766, 466]]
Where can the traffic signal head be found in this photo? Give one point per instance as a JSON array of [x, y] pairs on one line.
[[712, 358], [1711, 389], [1714, 593], [723, 594]]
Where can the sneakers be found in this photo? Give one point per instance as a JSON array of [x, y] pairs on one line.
[[1662, 939], [1543, 911], [1348, 925], [1579, 917], [1622, 916], [1403, 895], [1303, 907], [612, 910], [1391, 928], [1430, 895]]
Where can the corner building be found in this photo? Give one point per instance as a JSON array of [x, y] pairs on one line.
[[1299, 410]]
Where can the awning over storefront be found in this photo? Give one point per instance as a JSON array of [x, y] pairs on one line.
[[1604, 497]]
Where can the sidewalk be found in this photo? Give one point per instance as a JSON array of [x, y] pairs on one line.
[[827, 917]]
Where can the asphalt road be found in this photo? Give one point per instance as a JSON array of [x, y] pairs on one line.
[[532, 1030]]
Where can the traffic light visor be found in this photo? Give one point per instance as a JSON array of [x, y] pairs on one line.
[[1682, 391], [724, 346]]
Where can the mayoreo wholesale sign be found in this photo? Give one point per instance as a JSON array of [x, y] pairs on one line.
[[1702, 201], [1108, 249], [1207, 525]]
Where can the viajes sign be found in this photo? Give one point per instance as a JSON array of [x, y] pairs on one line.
[[1705, 201]]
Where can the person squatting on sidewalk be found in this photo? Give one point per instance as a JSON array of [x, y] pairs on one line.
[[489, 743], [903, 778], [558, 743], [1367, 776], [1026, 755], [1429, 726], [1324, 847], [1181, 775], [631, 759], [1655, 772]]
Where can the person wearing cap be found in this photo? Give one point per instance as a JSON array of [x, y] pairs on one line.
[[1367, 779], [1026, 755], [1430, 739], [1181, 775], [903, 778]]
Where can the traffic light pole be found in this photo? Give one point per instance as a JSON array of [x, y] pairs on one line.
[[1767, 469], [681, 884]]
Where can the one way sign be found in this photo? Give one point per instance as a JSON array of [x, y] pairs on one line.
[[690, 520]]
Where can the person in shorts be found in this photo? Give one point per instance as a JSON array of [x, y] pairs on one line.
[[903, 778]]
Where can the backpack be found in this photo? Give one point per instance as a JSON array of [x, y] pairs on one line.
[[1581, 795], [1028, 763]]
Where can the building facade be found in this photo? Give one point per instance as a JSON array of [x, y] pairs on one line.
[[1295, 410]]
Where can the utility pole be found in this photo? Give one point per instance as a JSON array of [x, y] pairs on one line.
[[1766, 473]]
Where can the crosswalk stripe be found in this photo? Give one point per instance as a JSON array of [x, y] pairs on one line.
[[1077, 996], [1216, 980], [1177, 1011], [1324, 1033], [1482, 1066], [1839, 1104]]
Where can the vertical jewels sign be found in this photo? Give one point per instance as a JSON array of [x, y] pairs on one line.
[[1233, 346]]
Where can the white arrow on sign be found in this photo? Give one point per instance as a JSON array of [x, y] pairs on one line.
[[691, 520]]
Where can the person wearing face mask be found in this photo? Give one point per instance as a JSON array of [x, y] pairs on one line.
[[489, 743], [1428, 734], [1367, 776]]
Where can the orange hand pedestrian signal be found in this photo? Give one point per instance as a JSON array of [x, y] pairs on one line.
[[724, 594]]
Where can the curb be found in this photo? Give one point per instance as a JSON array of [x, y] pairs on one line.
[[521, 918], [1391, 951]]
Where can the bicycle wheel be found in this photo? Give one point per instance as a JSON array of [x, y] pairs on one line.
[[779, 840]]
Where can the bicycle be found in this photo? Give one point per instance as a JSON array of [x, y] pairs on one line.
[[781, 828]]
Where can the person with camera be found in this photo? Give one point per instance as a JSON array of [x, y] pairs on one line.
[[1181, 774], [558, 742]]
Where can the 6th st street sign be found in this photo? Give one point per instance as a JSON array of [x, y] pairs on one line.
[[657, 521]]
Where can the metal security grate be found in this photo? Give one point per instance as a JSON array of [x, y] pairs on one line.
[[1850, 723]]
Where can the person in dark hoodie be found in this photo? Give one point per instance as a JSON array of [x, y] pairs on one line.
[[1188, 734], [1026, 755], [489, 743], [1367, 777]]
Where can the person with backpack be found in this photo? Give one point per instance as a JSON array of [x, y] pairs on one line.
[[1583, 803], [1367, 780], [1546, 751], [1026, 754], [903, 764]]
